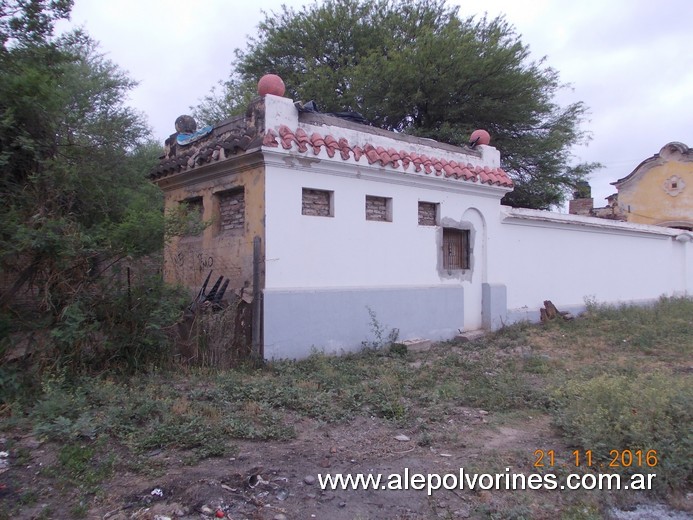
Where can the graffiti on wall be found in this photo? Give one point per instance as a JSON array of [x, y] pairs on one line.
[[190, 266], [204, 261]]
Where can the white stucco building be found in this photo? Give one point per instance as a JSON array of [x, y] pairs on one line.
[[354, 219]]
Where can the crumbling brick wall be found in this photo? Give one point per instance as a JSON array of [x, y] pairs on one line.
[[232, 210], [377, 208], [580, 206], [427, 213], [316, 203]]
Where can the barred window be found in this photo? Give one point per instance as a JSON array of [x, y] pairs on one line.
[[455, 249]]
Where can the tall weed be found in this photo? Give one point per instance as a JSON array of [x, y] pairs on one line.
[[643, 412]]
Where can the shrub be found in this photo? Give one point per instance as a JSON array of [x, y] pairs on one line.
[[644, 412], [119, 328]]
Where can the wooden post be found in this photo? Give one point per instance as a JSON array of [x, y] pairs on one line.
[[257, 351], [129, 291]]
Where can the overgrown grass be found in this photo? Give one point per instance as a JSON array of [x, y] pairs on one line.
[[116, 328], [619, 378], [82, 467], [622, 381], [633, 424]]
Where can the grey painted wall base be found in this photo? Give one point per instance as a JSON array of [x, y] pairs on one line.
[[334, 321], [494, 306]]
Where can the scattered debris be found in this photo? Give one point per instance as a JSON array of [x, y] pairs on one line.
[[311, 106], [4, 462], [550, 312], [213, 298], [417, 344], [648, 512], [470, 335], [402, 438], [485, 496], [309, 479]]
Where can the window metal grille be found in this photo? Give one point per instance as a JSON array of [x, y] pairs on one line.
[[455, 249]]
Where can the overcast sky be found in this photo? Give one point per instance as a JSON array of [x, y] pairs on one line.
[[630, 61]]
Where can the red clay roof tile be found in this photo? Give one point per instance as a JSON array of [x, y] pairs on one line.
[[389, 157], [287, 139]]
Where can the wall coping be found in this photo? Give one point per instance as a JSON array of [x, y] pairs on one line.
[[540, 218]]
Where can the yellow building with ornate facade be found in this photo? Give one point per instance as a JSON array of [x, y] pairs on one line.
[[660, 190]]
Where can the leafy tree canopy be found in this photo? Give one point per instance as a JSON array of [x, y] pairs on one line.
[[25, 22], [73, 159], [416, 66], [76, 201]]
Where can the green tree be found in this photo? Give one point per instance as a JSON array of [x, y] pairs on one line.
[[70, 162], [231, 100], [416, 66], [76, 200], [25, 22]]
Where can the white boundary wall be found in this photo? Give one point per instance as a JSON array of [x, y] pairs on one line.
[[570, 259], [322, 274]]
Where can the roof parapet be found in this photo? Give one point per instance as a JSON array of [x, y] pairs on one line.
[[274, 122]]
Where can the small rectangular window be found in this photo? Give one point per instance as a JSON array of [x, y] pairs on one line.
[[428, 213], [194, 206], [317, 203], [232, 209], [192, 213], [455, 249], [378, 208]]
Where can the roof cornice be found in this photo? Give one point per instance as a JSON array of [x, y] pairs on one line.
[[282, 159], [403, 161]]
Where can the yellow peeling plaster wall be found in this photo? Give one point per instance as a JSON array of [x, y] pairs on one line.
[[188, 260], [660, 190]]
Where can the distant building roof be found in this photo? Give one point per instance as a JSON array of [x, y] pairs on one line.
[[673, 150]]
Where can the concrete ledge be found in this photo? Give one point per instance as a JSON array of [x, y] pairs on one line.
[[417, 344]]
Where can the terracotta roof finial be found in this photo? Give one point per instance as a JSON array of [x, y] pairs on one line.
[[479, 137], [271, 84], [185, 124]]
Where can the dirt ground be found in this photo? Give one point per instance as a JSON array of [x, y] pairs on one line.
[[278, 480]]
